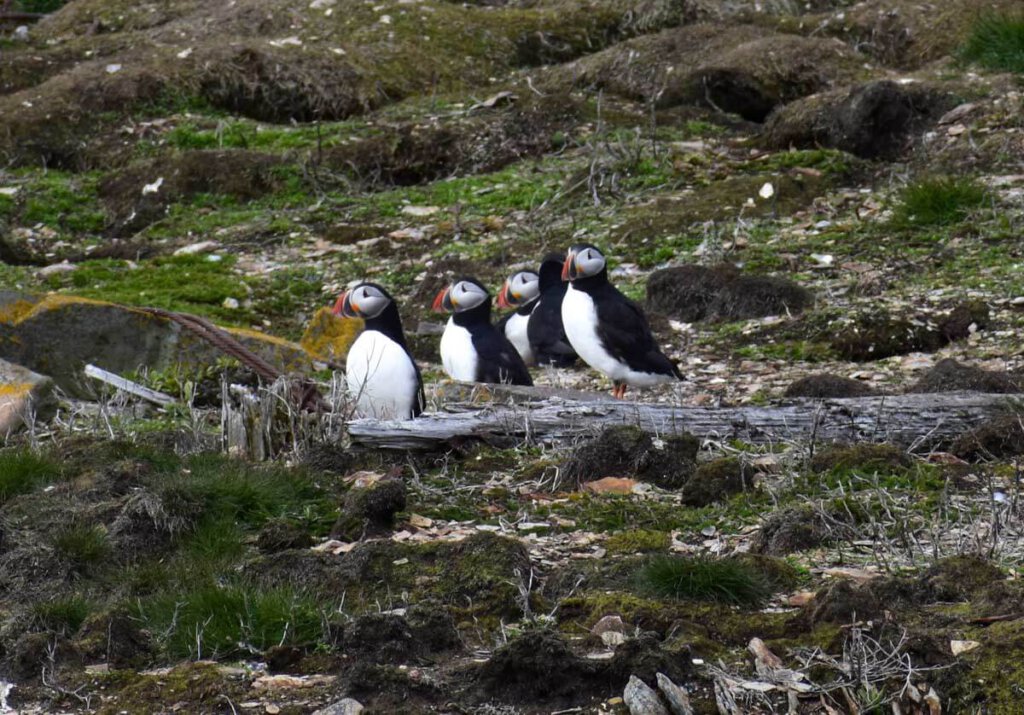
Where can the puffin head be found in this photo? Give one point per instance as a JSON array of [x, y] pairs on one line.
[[582, 261], [520, 288], [365, 300], [461, 295]]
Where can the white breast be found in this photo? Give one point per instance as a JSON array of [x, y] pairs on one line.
[[457, 352], [579, 316], [515, 331], [381, 377]]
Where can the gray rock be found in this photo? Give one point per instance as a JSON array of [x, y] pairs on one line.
[[58, 335], [678, 700], [641, 699], [348, 706], [24, 395]]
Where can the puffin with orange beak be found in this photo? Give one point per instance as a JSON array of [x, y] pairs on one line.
[[519, 291], [608, 330], [382, 378], [472, 349]]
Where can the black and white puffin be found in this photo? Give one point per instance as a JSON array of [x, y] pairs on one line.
[[382, 377], [471, 348], [607, 330], [519, 291], [545, 330]]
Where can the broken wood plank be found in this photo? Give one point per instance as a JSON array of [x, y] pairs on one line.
[[126, 385], [917, 420]]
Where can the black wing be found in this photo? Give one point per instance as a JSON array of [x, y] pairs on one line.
[[547, 334], [498, 360], [623, 330]]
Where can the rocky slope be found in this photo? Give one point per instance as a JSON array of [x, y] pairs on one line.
[[820, 199]]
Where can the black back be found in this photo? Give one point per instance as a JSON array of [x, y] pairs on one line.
[[389, 323], [623, 329], [498, 360], [545, 330]]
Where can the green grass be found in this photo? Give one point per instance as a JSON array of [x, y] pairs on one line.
[[22, 470], [704, 579], [939, 201], [85, 546], [213, 621], [637, 541], [996, 41], [65, 202], [65, 614]]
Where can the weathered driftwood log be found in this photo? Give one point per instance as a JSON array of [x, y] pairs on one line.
[[911, 420]]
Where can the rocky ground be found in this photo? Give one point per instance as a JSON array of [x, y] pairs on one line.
[[819, 199]]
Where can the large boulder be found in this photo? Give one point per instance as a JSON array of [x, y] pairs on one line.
[[24, 396], [58, 335]]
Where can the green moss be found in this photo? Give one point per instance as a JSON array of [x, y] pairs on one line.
[[23, 470], [996, 41], [637, 540], [65, 202]]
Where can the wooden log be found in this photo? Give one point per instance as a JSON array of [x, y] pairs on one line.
[[916, 421]]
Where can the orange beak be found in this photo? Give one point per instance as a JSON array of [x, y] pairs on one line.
[[345, 307], [443, 301], [569, 267], [503, 301]]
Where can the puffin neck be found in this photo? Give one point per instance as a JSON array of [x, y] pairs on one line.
[[474, 316], [527, 307], [550, 274], [388, 323], [593, 282]]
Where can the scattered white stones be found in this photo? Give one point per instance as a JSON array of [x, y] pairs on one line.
[[961, 647], [153, 188], [194, 248], [420, 210], [347, 706]]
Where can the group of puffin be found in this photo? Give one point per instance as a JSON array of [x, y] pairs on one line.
[[566, 309]]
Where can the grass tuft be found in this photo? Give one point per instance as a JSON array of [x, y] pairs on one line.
[[22, 470], [62, 615], [704, 579], [83, 545], [996, 41], [213, 621], [939, 202]]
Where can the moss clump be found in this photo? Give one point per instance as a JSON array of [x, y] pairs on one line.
[[997, 438], [959, 577], [864, 458], [718, 480], [880, 336], [589, 607], [637, 541], [795, 528], [824, 385], [370, 511], [626, 451], [948, 375], [481, 575], [704, 579], [996, 41]]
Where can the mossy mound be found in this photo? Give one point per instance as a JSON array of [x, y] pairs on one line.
[[370, 511], [998, 438], [536, 666], [742, 69], [695, 293], [864, 457], [948, 375], [630, 452], [875, 337], [718, 480], [793, 529], [824, 385], [874, 120]]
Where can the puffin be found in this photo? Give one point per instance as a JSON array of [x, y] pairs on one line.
[[382, 378], [519, 291], [606, 329], [545, 330], [472, 349]]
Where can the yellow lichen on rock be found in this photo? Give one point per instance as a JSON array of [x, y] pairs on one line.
[[329, 337]]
